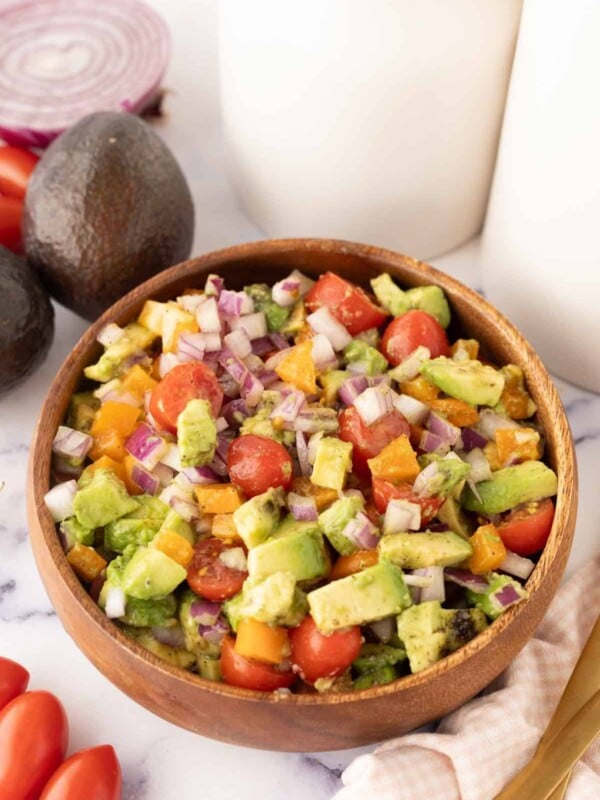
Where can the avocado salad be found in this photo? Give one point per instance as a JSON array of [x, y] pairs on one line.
[[302, 486]]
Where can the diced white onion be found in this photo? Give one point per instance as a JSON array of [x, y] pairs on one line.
[[411, 366], [234, 558], [59, 500], [374, 403], [110, 334], [322, 352], [516, 565], [166, 362], [323, 321], [207, 316], [313, 446], [115, 602], [305, 283], [286, 292], [436, 589], [239, 343], [171, 457], [254, 324], [191, 302], [401, 515], [414, 411], [480, 466], [490, 422]]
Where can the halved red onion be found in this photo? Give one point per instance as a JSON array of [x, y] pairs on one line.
[[200, 475], [239, 343], [60, 61], [303, 509], [322, 352], [71, 443], [314, 419], [214, 285], [208, 317], [147, 481], [286, 292], [302, 451], [471, 439], [205, 612], [191, 346], [146, 446], [166, 362], [490, 422], [401, 515], [436, 590], [516, 565], [384, 629], [466, 579], [110, 334], [480, 466], [323, 321], [289, 408], [115, 603], [181, 502], [374, 403], [410, 367], [235, 412], [59, 500], [431, 443], [254, 324], [171, 635], [351, 388], [441, 427], [414, 411], [361, 532]]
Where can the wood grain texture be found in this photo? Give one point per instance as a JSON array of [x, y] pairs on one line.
[[304, 722]]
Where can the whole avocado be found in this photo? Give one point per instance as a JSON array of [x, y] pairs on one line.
[[106, 208], [26, 320]]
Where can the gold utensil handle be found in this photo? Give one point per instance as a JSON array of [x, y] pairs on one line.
[[551, 763], [560, 790]]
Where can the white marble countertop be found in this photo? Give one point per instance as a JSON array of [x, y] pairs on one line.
[[159, 760]]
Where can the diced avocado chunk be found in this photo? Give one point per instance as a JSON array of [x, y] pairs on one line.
[[301, 553], [296, 320], [276, 600], [275, 315], [193, 641], [176, 523], [196, 434], [502, 593], [135, 337], [74, 532], [257, 518], [291, 525], [375, 363], [102, 500], [417, 550], [333, 520], [149, 507], [125, 532], [148, 613], [331, 382], [451, 471], [82, 408], [150, 574], [377, 677], [511, 486], [432, 300], [430, 632], [452, 515], [366, 596], [261, 424], [209, 667], [174, 655], [390, 296], [471, 381], [332, 462], [375, 656]]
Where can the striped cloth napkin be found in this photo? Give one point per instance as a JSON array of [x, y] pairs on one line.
[[476, 750]]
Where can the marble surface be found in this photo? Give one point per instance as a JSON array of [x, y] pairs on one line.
[[159, 760]]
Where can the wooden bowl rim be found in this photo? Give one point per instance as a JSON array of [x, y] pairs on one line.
[[423, 272]]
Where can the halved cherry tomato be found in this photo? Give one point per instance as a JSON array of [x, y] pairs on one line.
[[369, 440], [13, 680], [208, 576], [11, 210], [384, 491], [320, 656], [34, 734], [355, 562], [256, 463], [183, 383], [526, 528], [348, 303], [16, 165], [94, 773], [249, 674], [404, 334]]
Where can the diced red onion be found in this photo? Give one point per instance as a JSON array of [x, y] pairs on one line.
[[286, 292], [466, 579], [322, 321], [205, 612], [374, 403], [351, 388], [289, 408], [361, 532], [164, 474], [208, 317], [213, 286], [426, 482], [410, 367], [472, 439], [305, 282], [262, 346], [146, 446], [190, 346], [516, 565], [436, 589], [203, 525], [110, 334], [214, 633], [210, 341], [268, 378], [71, 443], [432, 443], [312, 420], [115, 603], [480, 466], [181, 502], [303, 509], [59, 500], [414, 411], [235, 412], [441, 427], [254, 363], [279, 341], [191, 302], [239, 343], [183, 482], [121, 397], [273, 361], [377, 380], [137, 357], [232, 365], [171, 635], [506, 596], [322, 352], [359, 367], [166, 362], [251, 390], [221, 424], [219, 466], [171, 457], [384, 628], [200, 475], [147, 481], [254, 324], [417, 578], [490, 422], [65, 60], [313, 446], [63, 469], [231, 388], [223, 445], [230, 303], [302, 450], [402, 515]]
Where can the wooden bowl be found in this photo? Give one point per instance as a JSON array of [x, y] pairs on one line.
[[304, 722]]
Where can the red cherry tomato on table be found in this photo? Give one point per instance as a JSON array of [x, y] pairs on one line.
[[320, 656], [247, 673], [34, 734], [11, 210], [16, 165], [525, 530], [348, 303], [384, 491], [183, 383], [94, 773], [369, 440], [208, 576], [404, 334], [256, 463], [13, 680]]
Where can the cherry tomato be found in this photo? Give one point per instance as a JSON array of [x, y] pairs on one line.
[[348, 303], [247, 673], [93, 773], [11, 210], [34, 734], [16, 165], [255, 463], [208, 576], [183, 383], [320, 656], [404, 334], [526, 528], [13, 680], [355, 562], [369, 440], [384, 491]]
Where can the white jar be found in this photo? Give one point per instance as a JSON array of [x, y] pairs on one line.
[[541, 243], [372, 120]]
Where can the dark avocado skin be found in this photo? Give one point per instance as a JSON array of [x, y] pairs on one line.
[[26, 320], [106, 208]]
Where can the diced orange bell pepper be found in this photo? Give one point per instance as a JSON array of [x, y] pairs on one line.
[[515, 399], [304, 334], [262, 642], [105, 462], [297, 367], [108, 444], [520, 445], [420, 389], [491, 453], [323, 497], [397, 462], [129, 463], [457, 412], [223, 527], [175, 322], [488, 550], [468, 346], [218, 498], [355, 562], [120, 418], [151, 316], [175, 546], [137, 382], [86, 562]]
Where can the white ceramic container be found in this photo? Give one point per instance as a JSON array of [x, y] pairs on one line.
[[371, 120]]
